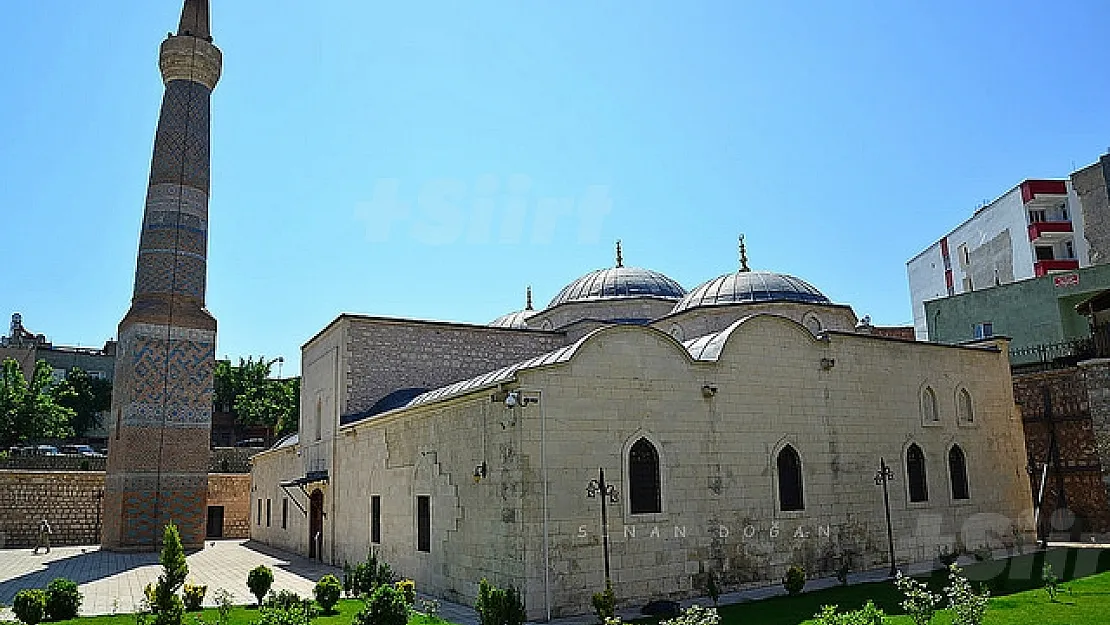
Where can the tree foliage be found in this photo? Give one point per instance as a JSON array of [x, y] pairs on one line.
[[86, 396], [28, 410], [247, 391]]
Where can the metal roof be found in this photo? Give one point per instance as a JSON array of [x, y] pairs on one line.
[[745, 287]]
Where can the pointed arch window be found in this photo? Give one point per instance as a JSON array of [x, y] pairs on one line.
[[929, 412], [319, 417], [964, 408], [790, 480], [915, 473], [957, 473], [644, 492]]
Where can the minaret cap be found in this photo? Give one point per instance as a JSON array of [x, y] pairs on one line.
[[194, 20], [620, 255], [528, 304], [743, 255]]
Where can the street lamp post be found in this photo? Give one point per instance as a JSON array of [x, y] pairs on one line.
[[608, 494], [882, 477]]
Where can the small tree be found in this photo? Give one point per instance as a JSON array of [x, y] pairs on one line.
[[1050, 581], [259, 581], [165, 604], [712, 588], [968, 606], [919, 603], [327, 592], [408, 590]]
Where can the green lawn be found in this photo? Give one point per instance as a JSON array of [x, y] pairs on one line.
[[1015, 588], [241, 615], [1017, 598]]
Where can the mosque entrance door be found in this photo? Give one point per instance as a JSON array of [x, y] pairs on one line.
[[316, 525]]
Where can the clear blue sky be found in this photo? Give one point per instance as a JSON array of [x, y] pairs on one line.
[[432, 159]]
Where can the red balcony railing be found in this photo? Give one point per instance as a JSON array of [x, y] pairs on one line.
[[1042, 267], [1039, 228]]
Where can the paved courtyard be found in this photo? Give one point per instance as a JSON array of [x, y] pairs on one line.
[[114, 582]]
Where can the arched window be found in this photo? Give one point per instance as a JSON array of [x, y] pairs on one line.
[[812, 323], [929, 412], [957, 473], [790, 480], [644, 494], [963, 407], [915, 472]]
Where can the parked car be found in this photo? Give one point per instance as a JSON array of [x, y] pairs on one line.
[[85, 451], [251, 442], [46, 450]]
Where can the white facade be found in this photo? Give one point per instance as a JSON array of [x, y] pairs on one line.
[[1033, 229]]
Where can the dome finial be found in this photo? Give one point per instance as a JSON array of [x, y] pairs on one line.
[[743, 255], [528, 303], [620, 255]]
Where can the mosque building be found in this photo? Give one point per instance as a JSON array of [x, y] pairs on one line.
[[732, 430]]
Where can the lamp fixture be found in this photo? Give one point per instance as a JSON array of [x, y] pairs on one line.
[[708, 390], [827, 363], [480, 471]]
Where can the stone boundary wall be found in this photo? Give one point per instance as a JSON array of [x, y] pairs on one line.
[[69, 500], [72, 502], [222, 460]]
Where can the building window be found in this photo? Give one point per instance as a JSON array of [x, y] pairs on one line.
[[1037, 216], [983, 330], [964, 409], [319, 417], [643, 478], [424, 523], [915, 473], [790, 480], [1069, 250], [968, 286], [929, 406], [957, 473], [284, 513], [965, 256], [268, 513], [258, 521], [1044, 252], [375, 519]]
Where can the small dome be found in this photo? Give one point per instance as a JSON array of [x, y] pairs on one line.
[[619, 282], [748, 287], [518, 319]]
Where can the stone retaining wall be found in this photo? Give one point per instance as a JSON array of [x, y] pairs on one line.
[[72, 502]]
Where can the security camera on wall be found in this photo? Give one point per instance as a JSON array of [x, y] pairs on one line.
[[511, 400]]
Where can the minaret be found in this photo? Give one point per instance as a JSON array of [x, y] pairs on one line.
[[161, 418]]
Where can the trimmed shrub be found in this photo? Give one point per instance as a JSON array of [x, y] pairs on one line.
[[695, 615], [300, 614], [499, 606], [794, 580], [605, 602], [283, 599], [408, 590], [259, 581], [327, 592], [193, 596], [365, 577], [386, 606], [63, 600], [29, 606]]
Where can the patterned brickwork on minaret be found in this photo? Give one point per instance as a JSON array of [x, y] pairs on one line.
[[161, 416]]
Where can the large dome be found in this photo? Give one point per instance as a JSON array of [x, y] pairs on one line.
[[619, 282], [749, 287]]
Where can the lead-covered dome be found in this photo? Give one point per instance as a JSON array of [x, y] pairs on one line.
[[750, 287], [618, 282]]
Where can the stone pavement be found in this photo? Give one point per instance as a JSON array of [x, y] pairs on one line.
[[114, 582]]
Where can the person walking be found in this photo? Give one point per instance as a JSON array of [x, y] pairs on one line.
[[43, 541]]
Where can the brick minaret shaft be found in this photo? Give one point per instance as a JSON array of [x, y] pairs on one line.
[[161, 417]]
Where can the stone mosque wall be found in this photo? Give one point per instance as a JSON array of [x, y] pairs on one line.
[[385, 355], [841, 403], [71, 501]]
